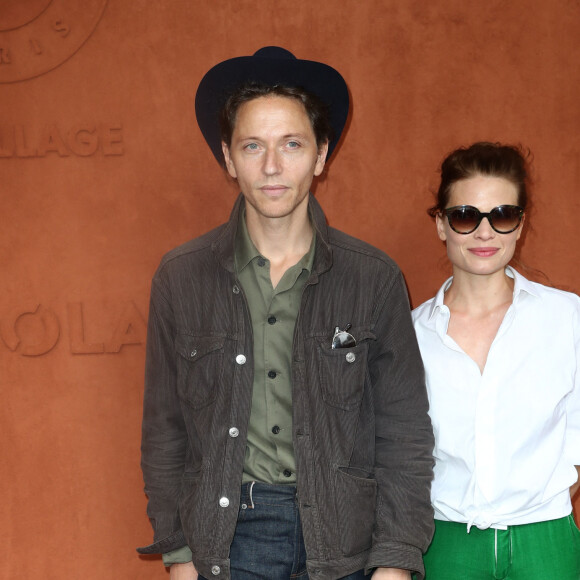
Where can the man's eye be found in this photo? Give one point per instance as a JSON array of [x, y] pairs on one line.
[[251, 146]]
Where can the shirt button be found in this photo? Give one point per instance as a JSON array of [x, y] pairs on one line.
[[287, 473], [234, 432], [350, 357], [224, 502], [193, 353], [261, 262], [215, 570], [235, 289], [241, 359], [272, 374], [272, 320], [275, 429]]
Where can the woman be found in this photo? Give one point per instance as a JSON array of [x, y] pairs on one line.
[[502, 358]]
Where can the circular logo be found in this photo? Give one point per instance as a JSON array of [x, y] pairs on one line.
[[36, 36]]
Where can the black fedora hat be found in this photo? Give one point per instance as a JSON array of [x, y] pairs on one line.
[[270, 65]]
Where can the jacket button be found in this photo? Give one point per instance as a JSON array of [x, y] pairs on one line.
[[272, 320], [215, 570], [234, 432], [272, 374], [287, 473], [241, 359], [224, 502], [193, 353], [350, 357], [235, 289], [275, 429]]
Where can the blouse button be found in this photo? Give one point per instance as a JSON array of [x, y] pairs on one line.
[[350, 357], [241, 359]]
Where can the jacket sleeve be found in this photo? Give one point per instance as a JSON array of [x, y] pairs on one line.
[[403, 438], [164, 437]]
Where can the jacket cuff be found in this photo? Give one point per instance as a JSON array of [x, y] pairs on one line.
[[168, 544], [396, 555]]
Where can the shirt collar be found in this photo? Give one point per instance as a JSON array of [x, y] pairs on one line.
[[437, 303], [244, 251], [224, 245], [521, 284]]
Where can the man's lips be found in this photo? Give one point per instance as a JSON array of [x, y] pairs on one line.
[[273, 189], [484, 252]]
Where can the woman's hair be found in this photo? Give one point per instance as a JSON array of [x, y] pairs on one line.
[[483, 159], [317, 111]]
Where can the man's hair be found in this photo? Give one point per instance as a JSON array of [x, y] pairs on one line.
[[317, 111], [483, 159]]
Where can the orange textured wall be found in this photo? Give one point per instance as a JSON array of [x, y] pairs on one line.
[[103, 169]]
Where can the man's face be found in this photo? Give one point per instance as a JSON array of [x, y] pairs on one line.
[[274, 155]]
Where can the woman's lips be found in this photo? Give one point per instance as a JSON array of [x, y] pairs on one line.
[[484, 252]]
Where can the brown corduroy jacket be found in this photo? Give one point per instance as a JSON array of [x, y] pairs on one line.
[[362, 436]]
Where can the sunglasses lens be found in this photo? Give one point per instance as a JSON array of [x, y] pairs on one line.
[[343, 339], [464, 219], [505, 218]]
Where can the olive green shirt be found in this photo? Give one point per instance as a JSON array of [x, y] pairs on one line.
[[273, 311]]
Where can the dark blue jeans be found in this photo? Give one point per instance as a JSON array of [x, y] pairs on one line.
[[268, 542]]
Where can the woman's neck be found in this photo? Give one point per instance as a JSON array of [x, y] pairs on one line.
[[479, 294]]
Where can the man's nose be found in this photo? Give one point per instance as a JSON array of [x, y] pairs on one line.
[[271, 162]]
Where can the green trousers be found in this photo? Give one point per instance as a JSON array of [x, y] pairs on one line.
[[540, 551]]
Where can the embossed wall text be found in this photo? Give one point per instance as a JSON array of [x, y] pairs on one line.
[[36, 36], [35, 330], [81, 140]]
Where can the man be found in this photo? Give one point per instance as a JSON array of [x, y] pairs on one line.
[[285, 429]]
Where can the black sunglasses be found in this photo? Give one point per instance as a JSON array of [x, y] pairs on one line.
[[465, 219]]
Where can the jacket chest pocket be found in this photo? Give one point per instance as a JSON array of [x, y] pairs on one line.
[[200, 367], [342, 374]]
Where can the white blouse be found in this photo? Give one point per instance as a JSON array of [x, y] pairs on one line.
[[507, 439]]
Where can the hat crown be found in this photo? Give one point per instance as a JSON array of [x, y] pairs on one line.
[[274, 52], [271, 66]]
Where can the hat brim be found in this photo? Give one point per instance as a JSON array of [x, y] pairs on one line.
[[279, 68]]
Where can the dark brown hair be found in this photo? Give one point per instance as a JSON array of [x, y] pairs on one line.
[[317, 111], [487, 159]]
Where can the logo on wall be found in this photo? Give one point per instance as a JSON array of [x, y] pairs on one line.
[[35, 330], [36, 36]]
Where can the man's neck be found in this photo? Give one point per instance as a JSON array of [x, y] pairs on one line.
[[283, 241], [278, 238]]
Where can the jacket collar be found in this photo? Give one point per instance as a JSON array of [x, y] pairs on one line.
[[224, 245]]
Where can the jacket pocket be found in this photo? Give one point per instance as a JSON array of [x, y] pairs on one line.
[[342, 375], [355, 506], [200, 365]]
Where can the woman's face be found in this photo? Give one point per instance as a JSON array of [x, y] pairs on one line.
[[484, 251]]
